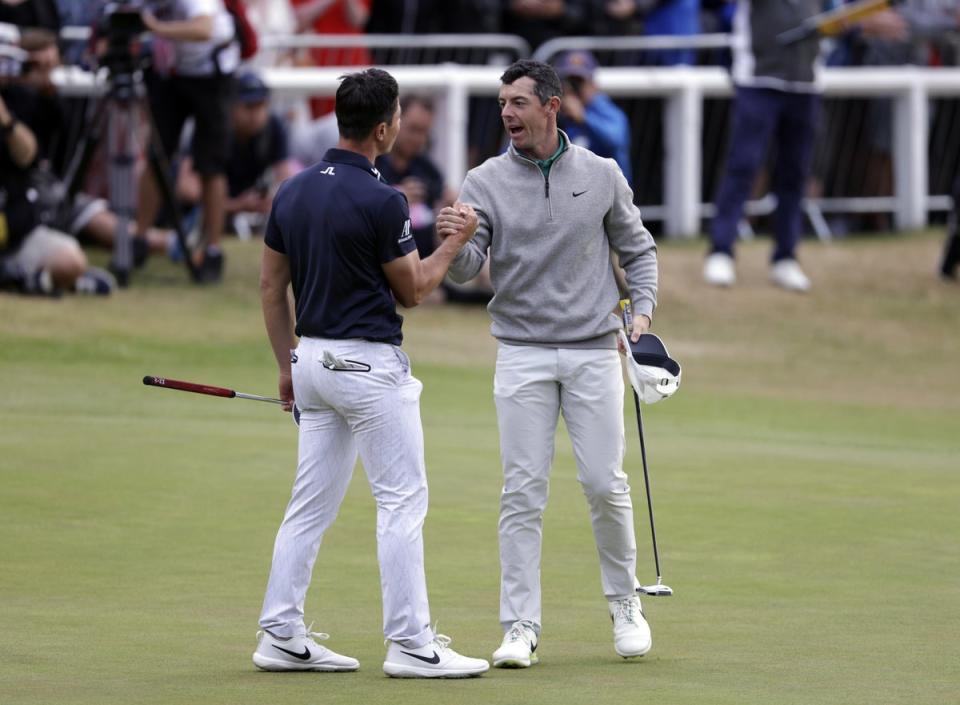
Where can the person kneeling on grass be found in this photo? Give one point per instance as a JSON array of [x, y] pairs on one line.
[[34, 259]]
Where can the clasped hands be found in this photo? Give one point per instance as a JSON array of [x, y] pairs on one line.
[[457, 221]]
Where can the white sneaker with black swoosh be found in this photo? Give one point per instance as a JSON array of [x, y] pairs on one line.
[[631, 633], [519, 647], [299, 653], [433, 660]]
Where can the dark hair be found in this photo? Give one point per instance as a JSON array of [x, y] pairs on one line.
[[364, 100], [424, 101], [546, 81]]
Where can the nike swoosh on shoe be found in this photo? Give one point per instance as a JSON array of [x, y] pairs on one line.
[[435, 659], [305, 656]]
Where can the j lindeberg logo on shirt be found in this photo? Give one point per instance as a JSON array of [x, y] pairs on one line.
[[305, 656], [435, 659], [405, 235], [329, 171]]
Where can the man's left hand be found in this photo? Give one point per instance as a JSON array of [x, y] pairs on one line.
[[641, 324], [285, 387]]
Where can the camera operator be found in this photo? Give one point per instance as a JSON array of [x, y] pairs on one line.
[[196, 83], [34, 258], [83, 216]]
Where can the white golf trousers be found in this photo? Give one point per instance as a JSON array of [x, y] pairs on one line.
[[377, 413], [532, 386]]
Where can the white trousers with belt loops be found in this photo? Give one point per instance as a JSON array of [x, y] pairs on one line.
[[375, 413], [532, 387]]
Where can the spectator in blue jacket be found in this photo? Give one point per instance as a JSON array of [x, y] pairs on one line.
[[588, 116], [679, 18]]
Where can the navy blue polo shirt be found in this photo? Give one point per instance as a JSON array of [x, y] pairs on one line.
[[337, 222]]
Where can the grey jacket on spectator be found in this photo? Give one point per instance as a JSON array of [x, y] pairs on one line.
[[759, 60]]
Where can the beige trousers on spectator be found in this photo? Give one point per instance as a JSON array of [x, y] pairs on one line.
[[40, 245], [532, 386]]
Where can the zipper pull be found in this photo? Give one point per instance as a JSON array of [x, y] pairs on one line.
[[546, 187]]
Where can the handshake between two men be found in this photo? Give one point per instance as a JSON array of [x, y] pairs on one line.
[[458, 221]]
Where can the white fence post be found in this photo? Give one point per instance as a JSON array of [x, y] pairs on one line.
[[452, 153], [682, 130], [911, 120]]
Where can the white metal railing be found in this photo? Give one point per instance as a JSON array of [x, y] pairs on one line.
[[552, 47], [683, 90], [509, 42], [308, 40]]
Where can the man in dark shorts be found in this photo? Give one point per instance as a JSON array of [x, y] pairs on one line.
[[258, 158], [195, 55]]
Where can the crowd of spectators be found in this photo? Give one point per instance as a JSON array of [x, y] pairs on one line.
[[239, 144]]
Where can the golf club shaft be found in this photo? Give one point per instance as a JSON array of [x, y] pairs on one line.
[[646, 482], [207, 389], [835, 21], [256, 397]]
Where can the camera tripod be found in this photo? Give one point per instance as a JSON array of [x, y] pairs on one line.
[[116, 115]]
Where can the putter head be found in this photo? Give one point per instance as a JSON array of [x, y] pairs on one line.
[[658, 590]]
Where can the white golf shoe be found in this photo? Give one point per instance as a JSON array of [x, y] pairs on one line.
[[299, 653], [519, 647], [433, 660], [631, 633], [718, 270], [786, 274]]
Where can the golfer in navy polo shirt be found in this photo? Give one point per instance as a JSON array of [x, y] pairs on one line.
[[342, 238]]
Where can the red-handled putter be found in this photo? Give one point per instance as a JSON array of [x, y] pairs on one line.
[[212, 391]]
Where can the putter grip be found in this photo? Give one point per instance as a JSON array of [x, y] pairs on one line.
[[189, 387]]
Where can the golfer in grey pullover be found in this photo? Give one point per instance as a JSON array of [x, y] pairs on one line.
[[550, 212]]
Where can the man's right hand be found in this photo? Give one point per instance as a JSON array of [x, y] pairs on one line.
[[459, 220]]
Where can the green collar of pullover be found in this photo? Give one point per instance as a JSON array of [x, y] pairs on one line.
[[545, 164]]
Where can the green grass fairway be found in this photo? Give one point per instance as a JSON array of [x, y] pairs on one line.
[[806, 481]]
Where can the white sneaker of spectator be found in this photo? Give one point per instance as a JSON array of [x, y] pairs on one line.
[[95, 281], [786, 273], [718, 270]]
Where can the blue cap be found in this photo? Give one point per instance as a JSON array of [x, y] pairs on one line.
[[576, 63], [248, 87]]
